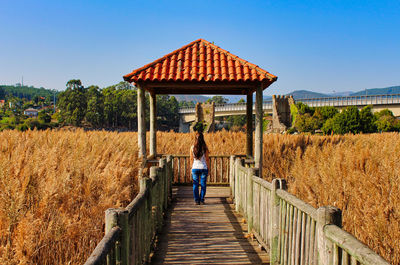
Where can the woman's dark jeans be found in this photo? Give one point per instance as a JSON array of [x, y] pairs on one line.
[[199, 175]]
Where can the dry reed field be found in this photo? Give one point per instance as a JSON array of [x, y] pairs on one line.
[[56, 185], [359, 174]]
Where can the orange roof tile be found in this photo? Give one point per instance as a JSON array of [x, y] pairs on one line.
[[200, 60]]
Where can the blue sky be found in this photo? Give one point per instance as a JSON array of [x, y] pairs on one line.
[[323, 46]]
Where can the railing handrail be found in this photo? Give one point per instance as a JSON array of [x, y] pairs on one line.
[[291, 229], [130, 232], [99, 254], [353, 246], [299, 204], [225, 156]]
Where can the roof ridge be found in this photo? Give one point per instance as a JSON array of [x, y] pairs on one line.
[[257, 73], [161, 59], [242, 61]]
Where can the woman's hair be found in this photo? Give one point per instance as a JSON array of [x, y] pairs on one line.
[[200, 146]]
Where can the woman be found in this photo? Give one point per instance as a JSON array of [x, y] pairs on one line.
[[200, 165]]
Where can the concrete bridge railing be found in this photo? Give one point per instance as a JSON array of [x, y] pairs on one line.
[[292, 231], [364, 100]]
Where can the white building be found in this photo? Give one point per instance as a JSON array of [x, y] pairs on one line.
[[31, 112]]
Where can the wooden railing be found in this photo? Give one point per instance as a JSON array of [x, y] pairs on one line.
[[292, 231], [130, 232], [218, 173]]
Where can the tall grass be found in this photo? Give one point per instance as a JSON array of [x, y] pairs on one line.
[[55, 185], [359, 174]]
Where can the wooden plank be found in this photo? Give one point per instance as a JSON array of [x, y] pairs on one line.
[[351, 245], [203, 234]]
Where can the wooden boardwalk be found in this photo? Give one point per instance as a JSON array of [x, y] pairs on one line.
[[205, 234]]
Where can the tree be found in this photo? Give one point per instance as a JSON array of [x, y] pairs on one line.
[[306, 123], [367, 119], [217, 100], [72, 103], [167, 112], [95, 107], [328, 112], [385, 121], [44, 117], [347, 121], [2, 93]]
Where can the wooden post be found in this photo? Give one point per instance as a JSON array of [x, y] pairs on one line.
[[111, 216], [274, 215], [258, 150], [249, 125], [232, 175], [141, 122], [249, 206], [163, 166], [170, 177], [153, 128], [123, 223], [326, 215], [238, 182]]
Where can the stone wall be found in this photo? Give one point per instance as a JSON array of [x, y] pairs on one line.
[[281, 117], [205, 113]]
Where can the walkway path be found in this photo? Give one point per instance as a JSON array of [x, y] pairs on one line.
[[205, 234]]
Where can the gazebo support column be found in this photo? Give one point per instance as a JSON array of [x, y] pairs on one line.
[[249, 125], [153, 129], [258, 150], [141, 122]]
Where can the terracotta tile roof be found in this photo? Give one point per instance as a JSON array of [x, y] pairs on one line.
[[200, 60]]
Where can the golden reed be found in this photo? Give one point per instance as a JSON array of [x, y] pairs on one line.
[[56, 185]]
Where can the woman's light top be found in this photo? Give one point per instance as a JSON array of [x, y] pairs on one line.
[[199, 163]]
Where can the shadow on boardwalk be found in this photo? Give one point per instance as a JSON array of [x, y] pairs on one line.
[[205, 234]]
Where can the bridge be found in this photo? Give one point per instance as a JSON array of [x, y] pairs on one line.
[[246, 220], [378, 102]]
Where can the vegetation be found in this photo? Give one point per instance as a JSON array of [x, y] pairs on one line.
[[12, 113], [56, 185], [350, 120], [26, 92], [112, 107]]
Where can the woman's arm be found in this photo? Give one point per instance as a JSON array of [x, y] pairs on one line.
[[207, 161]]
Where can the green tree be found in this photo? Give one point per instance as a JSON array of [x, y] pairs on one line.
[[328, 112], [347, 121], [2, 93], [44, 117], [385, 121], [306, 123], [95, 107], [303, 108], [217, 100], [167, 113], [72, 103], [367, 120]]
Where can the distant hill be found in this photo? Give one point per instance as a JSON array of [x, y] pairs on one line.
[[378, 91], [297, 94], [306, 94], [28, 92], [195, 98]]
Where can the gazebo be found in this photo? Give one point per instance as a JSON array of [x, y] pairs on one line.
[[201, 67]]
